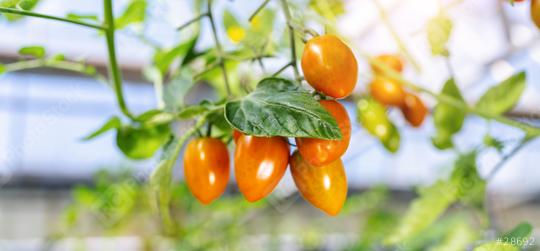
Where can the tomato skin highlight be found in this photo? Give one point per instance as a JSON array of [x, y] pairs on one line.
[[206, 168], [392, 61], [535, 12], [325, 187], [414, 110], [330, 66], [387, 91], [319, 152], [260, 163]]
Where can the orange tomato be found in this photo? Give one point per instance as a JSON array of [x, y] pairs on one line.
[[387, 91], [260, 163], [392, 61], [206, 168], [414, 110], [325, 187], [329, 66], [236, 134], [320, 152], [535, 12]]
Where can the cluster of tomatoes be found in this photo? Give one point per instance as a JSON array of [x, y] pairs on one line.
[[391, 93], [261, 162]]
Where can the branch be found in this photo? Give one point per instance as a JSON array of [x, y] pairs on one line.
[[220, 54], [508, 156], [193, 20], [33, 14], [292, 40], [114, 71], [528, 129], [259, 9]]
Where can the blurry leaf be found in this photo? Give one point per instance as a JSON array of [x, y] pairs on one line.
[[2, 69], [502, 97], [336, 7], [134, 13], [279, 107], [424, 210], [496, 246], [33, 51], [58, 57], [378, 225], [448, 119], [27, 5], [176, 90], [142, 143], [82, 17], [519, 235], [438, 32], [471, 188], [235, 31], [458, 239], [112, 123], [155, 117], [490, 141], [372, 115], [192, 111], [163, 59]]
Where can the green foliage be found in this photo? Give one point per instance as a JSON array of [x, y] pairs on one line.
[[502, 97], [518, 236], [471, 188], [496, 246], [142, 142], [448, 119], [82, 17], [372, 116], [112, 123], [26, 5], [458, 238], [491, 141], [33, 51], [322, 7], [134, 13], [279, 107], [2, 69], [439, 30], [176, 90], [184, 51]]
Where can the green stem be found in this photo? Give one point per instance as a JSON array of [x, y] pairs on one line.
[[114, 71], [220, 53], [33, 14], [529, 130], [292, 40], [193, 20], [395, 35], [508, 156], [259, 9], [61, 65]]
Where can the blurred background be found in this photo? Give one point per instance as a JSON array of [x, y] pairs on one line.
[[45, 113]]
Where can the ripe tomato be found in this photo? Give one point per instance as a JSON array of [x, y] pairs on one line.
[[206, 168], [535, 12], [414, 110], [387, 91], [329, 66], [320, 152], [325, 187], [260, 163], [392, 61], [236, 134]]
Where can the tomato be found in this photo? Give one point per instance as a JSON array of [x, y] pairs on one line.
[[392, 61], [387, 91], [236, 134], [414, 110], [320, 152], [329, 66], [260, 163], [325, 187], [206, 168], [535, 12]]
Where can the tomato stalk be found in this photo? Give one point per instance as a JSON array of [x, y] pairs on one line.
[[60, 65], [219, 48], [114, 71], [258, 10], [44, 16], [292, 40], [192, 21], [528, 129], [507, 157]]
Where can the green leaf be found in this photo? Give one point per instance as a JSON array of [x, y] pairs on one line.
[[519, 235], [142, 142], [134, 13], [2, 69], [279, 107], [459, 238], [176, 90], [373, 117], [155, 117], [234, 30], [112, 123], [424, 210], [322, 7], [504, 96], [438, 32], [193, 111], [33, 51], [448, 119], [491, 141], [82, 17], [496, 246], [163, 59], [471, 188]]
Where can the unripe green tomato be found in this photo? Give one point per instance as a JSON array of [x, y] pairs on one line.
[[372, 116]]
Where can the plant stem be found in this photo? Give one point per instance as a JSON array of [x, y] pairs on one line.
[[220, 53], [259, 9], [395, 35], [33, 14], [114, 71], [507, 157], [61, 65], [282, 69], [292, 40], [193, 20], [528, 129]]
